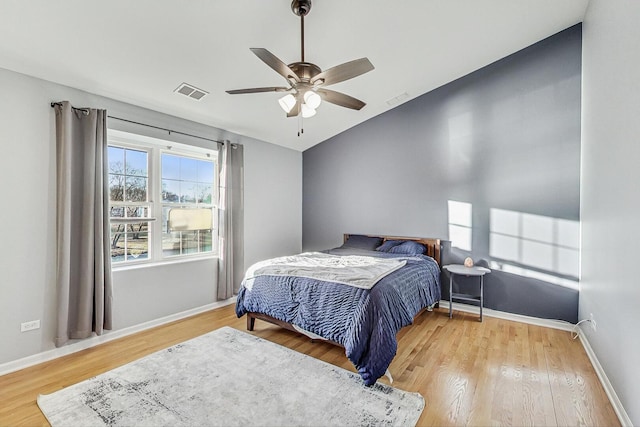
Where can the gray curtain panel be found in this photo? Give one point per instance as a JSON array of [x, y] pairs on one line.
[[231, 219], [84, 289]]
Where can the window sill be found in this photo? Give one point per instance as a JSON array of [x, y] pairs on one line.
[[151, 264]]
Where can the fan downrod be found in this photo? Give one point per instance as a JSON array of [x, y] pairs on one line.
[[301, 7]]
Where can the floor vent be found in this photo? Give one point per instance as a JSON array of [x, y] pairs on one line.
[[191, 91]]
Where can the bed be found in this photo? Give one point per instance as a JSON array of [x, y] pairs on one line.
[[307, 294]]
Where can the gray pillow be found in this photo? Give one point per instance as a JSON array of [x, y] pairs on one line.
[[357, 241], [408, 248], [387, 245]]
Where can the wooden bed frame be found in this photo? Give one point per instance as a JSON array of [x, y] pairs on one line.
[[434, 250]]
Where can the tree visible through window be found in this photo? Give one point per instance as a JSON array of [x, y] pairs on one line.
[[128, 195]]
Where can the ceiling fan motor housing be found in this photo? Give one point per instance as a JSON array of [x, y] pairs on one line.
[[301, 7], [305, 70]]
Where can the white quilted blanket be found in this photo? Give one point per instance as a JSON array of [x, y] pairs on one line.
[[353, 270]]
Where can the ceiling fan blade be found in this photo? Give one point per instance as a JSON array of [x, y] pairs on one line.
[[343, 72], [258, 90], [340, 99], [272, 61]]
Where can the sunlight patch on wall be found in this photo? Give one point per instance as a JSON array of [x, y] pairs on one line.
[[535, 246], [460, 224], [525, 272]]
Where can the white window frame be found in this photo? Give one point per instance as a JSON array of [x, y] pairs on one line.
[[212, 205], [155, 148], [148, 204]]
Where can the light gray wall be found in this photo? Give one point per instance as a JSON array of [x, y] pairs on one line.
[[506, 136], [610, 285], [146, 293], [273, 217]]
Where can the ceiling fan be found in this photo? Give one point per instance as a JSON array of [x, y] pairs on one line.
[[307, 81]]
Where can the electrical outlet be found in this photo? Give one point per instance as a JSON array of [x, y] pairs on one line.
[[30, 326], [592, 321]]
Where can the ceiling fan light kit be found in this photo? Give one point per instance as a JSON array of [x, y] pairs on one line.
[[307, 111], [312, 99], [287, 102], [307, 81]]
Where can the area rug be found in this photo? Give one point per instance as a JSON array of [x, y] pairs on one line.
[[228, 377]]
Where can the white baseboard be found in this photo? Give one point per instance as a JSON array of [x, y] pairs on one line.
[[80, 345], [562, 325], [606, 384], [548, 323]]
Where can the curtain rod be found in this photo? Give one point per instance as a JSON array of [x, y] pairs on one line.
[[86, 110]]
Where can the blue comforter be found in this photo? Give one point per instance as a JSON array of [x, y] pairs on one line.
[[364, 321]]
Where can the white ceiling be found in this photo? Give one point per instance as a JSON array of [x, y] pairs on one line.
[[140, 51]]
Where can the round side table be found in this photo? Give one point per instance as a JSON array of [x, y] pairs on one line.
[[461, 270]]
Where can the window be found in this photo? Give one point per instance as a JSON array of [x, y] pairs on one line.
[[162, 200], [128, 197], [187, 183]]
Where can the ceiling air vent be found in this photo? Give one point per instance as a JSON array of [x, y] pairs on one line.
[[191, 91], [398, 99]]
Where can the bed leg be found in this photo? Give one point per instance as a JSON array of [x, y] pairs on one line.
[[251, 322], [437, 305]]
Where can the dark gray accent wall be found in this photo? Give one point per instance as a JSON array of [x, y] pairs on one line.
[[506, 137]]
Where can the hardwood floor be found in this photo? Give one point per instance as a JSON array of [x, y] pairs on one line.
[[496, 372]]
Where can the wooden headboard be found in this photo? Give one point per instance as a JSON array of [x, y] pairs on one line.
[[434, 246]]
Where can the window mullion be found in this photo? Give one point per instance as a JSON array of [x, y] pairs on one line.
[[156, 203]]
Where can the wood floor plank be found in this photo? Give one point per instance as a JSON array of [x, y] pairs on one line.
[[494, 372]]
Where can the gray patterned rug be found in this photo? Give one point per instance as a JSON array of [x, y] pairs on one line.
[[228, 377]]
